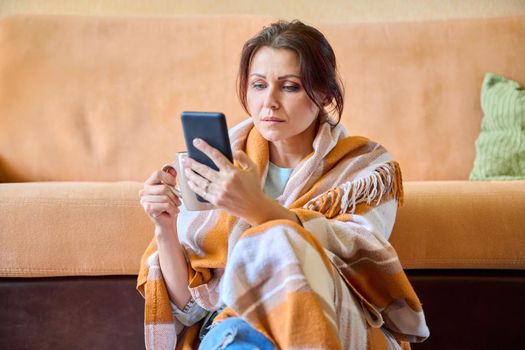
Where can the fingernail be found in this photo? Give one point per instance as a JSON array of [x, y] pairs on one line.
[[196, 142], [167, 167]]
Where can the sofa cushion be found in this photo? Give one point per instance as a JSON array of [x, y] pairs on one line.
[[72, 229], [461, 224], [82, 228], [500, 147]]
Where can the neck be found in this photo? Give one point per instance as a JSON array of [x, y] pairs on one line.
[[290, 152]]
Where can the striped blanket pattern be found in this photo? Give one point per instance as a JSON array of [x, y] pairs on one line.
[[333, 282]]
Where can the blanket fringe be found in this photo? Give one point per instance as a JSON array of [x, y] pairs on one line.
[[384, 183]]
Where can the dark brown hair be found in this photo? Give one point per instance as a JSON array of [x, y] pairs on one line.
[[316, 60]]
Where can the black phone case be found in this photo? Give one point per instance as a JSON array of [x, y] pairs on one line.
[[212, 128]]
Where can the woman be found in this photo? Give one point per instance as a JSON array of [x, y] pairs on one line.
[[296, 253]]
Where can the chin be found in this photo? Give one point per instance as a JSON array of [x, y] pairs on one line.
[[272, 136]]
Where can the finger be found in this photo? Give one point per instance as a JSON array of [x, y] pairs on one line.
[[157, 189], [159, 176], [161, 190], [202, 169], [198, 180], [168, 178], [169, 168], [214, 154], [200, 190], [161, 199], [155, 209], [175, 191], [171, 211], [172, 172], [174, 197], [155, 178]]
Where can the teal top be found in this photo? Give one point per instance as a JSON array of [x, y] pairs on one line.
[[276, 180]]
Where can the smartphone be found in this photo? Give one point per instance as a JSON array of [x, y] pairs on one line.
[[212, 128]]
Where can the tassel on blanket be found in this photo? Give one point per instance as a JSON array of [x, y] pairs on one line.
[[384, 183]]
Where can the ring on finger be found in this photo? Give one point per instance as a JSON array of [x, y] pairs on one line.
[[206, 188]]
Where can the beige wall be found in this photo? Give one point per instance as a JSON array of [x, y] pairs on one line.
[[313, 11]]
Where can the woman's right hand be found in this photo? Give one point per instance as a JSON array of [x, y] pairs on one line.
[[159, 201]]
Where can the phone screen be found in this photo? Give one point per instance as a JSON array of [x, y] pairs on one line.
[[212, 128]]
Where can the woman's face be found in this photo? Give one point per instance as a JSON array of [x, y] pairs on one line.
[[276, 100]]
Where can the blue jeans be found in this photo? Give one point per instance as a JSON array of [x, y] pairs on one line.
[[235, 334]]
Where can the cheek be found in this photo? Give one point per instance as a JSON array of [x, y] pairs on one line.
[[305, 106], [251, 103]]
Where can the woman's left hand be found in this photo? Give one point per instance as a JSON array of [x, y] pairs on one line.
[[235, 189]]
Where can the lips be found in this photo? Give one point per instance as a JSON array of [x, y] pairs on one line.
[[271, 119]]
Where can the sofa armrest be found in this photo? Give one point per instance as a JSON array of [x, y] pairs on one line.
[[462, 224], [71, 228]]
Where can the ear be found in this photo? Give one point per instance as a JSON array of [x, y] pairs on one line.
[[326, 101]]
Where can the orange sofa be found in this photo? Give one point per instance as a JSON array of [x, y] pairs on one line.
[[89, 107]]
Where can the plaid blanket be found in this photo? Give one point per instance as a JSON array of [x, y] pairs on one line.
[[333, 282]]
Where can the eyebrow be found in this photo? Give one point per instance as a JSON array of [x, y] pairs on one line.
[[286, 76]]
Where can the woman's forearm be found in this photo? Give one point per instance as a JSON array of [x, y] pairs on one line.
[[174, 267], [269, 209]]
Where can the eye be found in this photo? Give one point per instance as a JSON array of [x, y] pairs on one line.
[[257, 85], [291, 87]]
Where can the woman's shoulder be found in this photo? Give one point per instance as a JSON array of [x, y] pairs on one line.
[[359, 145], [349, 142]]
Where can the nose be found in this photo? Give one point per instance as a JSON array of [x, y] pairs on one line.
[[271, 100]]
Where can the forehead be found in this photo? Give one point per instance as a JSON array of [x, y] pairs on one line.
[[268, 59]]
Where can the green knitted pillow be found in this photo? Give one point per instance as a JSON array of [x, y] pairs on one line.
[[500, 147]]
